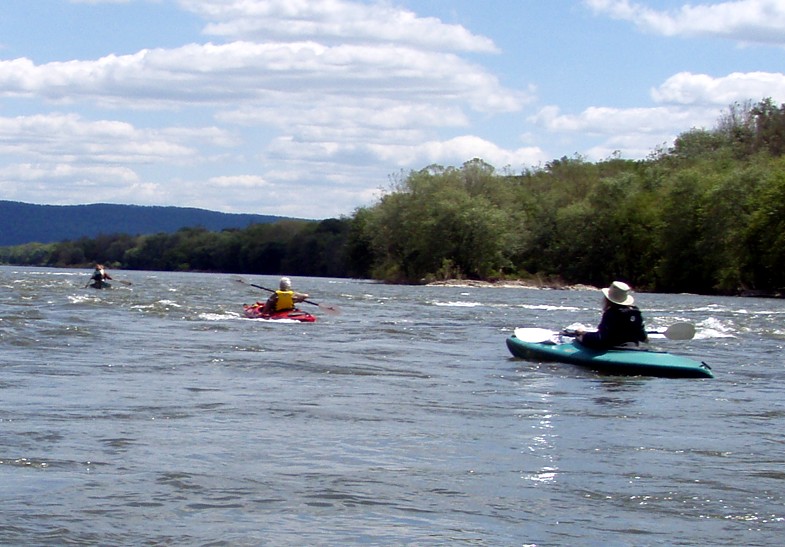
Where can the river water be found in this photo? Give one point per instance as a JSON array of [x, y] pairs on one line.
[[153, 413]]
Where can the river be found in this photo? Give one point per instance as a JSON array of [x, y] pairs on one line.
[[153, 413]]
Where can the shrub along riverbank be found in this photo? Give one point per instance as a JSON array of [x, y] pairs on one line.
[[706, 215]]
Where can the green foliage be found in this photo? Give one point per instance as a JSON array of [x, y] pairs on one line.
[[358, 251], [292, 247], [705, 216], [682, 266], [765, 232], [39, 254], [440, 220], [769, 134]]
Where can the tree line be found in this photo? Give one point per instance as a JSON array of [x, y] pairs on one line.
[[299, 247], [705, 215]]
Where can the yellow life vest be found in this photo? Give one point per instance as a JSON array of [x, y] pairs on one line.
[[285, 300]]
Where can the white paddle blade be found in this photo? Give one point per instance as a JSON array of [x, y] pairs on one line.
[[535, 335], [680, 331]]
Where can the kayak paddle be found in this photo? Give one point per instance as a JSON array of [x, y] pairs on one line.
[[677, 331], [331, 310]]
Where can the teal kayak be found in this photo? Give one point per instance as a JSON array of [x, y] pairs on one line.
[[617, 361]]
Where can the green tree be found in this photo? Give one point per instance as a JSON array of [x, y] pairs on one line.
[[769, 123], [765, 233]]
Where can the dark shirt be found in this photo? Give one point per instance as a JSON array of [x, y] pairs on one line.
[[619, 325]]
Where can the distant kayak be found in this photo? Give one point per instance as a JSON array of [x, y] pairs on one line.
[[101, 285], [532, 344], [254, 311]]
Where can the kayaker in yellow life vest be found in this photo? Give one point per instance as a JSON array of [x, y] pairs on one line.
[[284, 298]]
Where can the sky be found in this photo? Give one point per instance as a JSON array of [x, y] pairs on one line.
[[313, 108]]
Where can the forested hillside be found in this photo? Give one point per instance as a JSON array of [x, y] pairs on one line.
[[706, 215], [25, 223]]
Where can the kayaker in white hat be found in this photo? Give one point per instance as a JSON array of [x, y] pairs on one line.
[[284, 298], [621, 321]]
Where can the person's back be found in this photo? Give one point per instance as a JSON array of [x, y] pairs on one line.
[[284, 299], [619, 325], [98, 277], [621, 322]]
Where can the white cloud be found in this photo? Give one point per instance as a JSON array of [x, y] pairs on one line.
[[701, 89], [333, 20], [54, 158], [456, 151], [69, 183], [751, 21], [328, 125], [87, 175], [322, 100], [633, 131], [58, 137], [377, 114], [239, 181], [684, 101], [215, 74], [600, 121], [324, 90]]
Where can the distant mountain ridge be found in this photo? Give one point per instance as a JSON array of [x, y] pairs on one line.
[[27, 223]]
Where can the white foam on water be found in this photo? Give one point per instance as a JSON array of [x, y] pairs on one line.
[[217, 316], [458, 304], [80, 298], [548, 307], [712, 327]]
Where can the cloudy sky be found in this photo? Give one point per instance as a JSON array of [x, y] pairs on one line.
[[308, 108]]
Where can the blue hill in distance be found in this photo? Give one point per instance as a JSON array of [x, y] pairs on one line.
[[22, 223]]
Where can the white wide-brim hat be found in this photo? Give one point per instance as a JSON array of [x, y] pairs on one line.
[[619, 293]]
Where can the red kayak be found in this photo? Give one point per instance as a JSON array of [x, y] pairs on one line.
[[254, 311]]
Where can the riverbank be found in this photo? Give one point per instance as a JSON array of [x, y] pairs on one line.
[[529, 284]]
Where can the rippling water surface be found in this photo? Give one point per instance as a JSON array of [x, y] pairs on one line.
[[154, 413]]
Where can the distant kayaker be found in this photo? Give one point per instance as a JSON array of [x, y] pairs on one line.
[[99, 277], [621, 321], [284, 298]]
